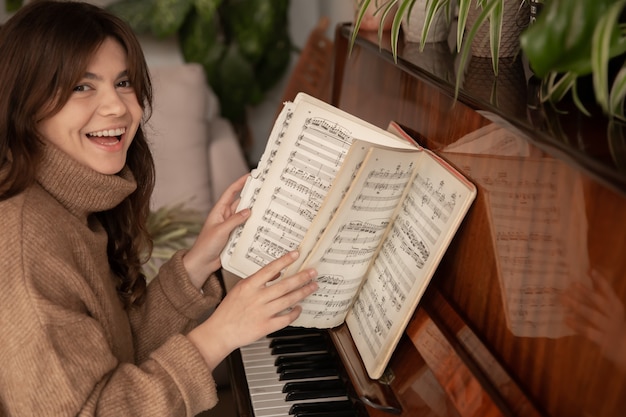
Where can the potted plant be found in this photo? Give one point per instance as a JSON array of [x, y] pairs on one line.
[[576, 41], [487, 11], [172, 228], [399, 9], [243, 45]]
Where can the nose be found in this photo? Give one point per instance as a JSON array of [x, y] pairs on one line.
[[112, 103]]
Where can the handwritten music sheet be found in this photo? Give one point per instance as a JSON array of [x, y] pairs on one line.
[[429, 217], [288, 188]]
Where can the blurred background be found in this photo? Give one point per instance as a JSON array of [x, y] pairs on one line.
[[302, 17]]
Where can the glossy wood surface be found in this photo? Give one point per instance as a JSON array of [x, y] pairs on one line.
[[496, 333]]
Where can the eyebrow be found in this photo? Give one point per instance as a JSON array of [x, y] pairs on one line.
[[92, 76]]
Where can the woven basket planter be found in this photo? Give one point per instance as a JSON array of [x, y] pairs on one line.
[[515, 18], [413, 24]]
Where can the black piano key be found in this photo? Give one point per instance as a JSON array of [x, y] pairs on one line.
[[299, 356], [303, 363], [306, 340], [320, 385], [346, 413], [304, 358], [293, 331], [309, 395], [307, 373], [285, 349], [322, 407]]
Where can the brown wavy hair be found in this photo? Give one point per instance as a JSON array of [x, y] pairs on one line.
[[45, 49]]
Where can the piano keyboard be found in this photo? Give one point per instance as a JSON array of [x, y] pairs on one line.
[[293, 373]]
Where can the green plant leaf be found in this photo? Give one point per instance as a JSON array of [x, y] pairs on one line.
[[495, 31], [617, 143], [201, 42], [559, 40], [466, 47], [13, 5], [385, 9], [253, 24], [363, 5], [237, 84], [138, 13], [168, 16], [207, 8], [559, 85], [403, 8], [617, 95], [171, 228], [274, 63], [464, 6], [603, 38], [577, 100], [433, 7]]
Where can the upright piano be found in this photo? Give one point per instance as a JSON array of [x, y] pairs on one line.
[[525, 314]]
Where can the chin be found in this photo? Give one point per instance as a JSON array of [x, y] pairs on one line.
[[111, 168]]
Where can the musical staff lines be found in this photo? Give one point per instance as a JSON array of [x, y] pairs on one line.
[[414, 237], [333, 300], [301, 187]]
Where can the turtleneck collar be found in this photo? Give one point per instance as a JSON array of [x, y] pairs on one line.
[[79, 188]]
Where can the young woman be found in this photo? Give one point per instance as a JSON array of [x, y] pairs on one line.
[[81, 333]]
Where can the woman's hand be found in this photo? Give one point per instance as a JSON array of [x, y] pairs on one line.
[[253, 309], [597, 313], [204, 256]]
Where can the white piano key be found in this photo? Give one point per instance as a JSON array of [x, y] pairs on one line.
[[264, 385]]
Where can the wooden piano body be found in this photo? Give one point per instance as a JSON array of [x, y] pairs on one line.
[[493, 334]]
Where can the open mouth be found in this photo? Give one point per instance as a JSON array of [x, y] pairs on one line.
[[107, 137]]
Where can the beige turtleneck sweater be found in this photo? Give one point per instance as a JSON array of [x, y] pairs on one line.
[[67, 346]]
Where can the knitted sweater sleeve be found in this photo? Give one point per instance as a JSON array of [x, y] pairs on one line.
[[58, 359], [172, 305]]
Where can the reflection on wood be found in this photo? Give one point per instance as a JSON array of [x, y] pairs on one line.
[[464, 390], [496, 380], [532, 201], [577, 374]]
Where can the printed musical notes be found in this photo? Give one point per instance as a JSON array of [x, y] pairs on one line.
[[373, 217], [408, 255]]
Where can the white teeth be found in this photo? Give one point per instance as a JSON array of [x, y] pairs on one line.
[[110, 132]]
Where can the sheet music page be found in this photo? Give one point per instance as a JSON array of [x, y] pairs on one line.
[[351, 164], [311, 150], [533, 204], [257, 178], [429, 217], [349, 243]]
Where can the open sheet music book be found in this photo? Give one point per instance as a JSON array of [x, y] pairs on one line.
[[370, 210]]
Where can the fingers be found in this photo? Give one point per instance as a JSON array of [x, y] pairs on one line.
[[287, 292], [237, 219], [608, 293], [232, 192], [270, 271], [292, 289], [286, 317]]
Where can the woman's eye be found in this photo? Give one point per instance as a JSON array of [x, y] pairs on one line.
[[124, 84], [80, 88]]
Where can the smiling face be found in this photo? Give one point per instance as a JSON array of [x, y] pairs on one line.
[[97, 124]]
